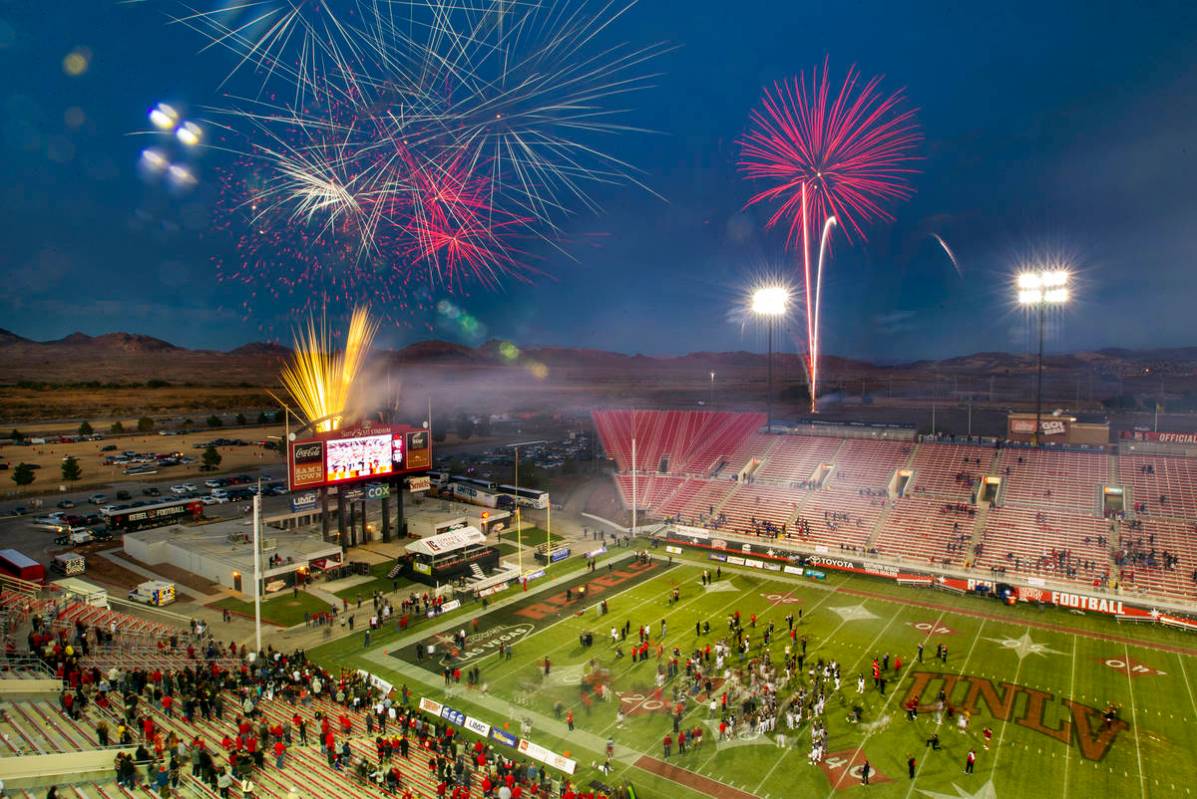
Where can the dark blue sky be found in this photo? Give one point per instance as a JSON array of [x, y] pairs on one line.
[[1062, 128]]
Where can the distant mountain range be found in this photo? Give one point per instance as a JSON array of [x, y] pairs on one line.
[[129, 357]]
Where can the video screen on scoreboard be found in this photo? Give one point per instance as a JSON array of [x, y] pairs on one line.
[[355, 458]]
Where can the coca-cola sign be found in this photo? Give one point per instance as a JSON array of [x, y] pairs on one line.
[[308, 453]]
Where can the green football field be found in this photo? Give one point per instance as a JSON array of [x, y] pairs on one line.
[[1038, 679]]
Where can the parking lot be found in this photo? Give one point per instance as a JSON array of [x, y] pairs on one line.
[[18, 531]]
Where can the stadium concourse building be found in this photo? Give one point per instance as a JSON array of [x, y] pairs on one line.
[[223, 553]]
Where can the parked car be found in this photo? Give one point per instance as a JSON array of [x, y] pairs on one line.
[[151, 492], [108, 448], [66, 504], [215, 482], [122, 494], [179, 489], [97, 499]]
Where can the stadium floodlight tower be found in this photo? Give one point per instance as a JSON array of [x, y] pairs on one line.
[[770, 302], [1041, 290]]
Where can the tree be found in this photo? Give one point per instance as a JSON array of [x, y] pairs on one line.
[[145, 424], [211, 458], [465, 426], [116, 427], [214, 421], [263, 418], [16, 435], [483, 428], [70, 469], [188, 424], [241, 419], [23, 474], [86, 429], [439, 434]]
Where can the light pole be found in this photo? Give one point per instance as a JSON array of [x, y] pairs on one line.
[[711, 394], [519, 521], [1041, 290], [771, 302]]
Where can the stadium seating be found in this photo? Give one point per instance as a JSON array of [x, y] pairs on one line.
[[1047, 479], [1150, 477], [794, 459], [1029, 542], [949, 471], [920, 530], [678, 442], [865, 464], [858, 517], [761, 503], [40, 727], [1150, 539], [1046, 522]]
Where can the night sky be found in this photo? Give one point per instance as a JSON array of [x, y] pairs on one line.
[[1060, 130]]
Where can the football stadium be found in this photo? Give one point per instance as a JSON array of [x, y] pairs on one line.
[[579, 399]]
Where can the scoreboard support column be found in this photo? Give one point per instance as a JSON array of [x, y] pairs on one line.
[[386, 514], [324, 522], [399, 532], [342, 534]]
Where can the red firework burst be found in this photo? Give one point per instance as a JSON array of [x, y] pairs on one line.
[[849, 150], [454, 228]]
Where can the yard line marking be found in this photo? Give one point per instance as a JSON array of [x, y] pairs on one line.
[[997, 755], [769, 773], [890, 698], [1071, 689], [1185, 675], [963, 669], [1135, 720]]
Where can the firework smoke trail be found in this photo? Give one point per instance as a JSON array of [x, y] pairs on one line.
[[813, 330], [951, 255], [828, 155]]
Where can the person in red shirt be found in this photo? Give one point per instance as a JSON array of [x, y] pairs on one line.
[[280, 750], [668, 744]]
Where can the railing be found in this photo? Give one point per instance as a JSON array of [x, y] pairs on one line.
[[28, 664]]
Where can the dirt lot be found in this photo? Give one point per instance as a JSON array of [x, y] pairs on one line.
[[91, 458], [20, 405]]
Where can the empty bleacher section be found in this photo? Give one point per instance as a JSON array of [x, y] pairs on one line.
[[1161, 485], [1048, 479], [794, 459], [650, 490], [867, 465], [948, 471], [697, 501], [753, 508], [839, 517], [678, 442], [927, 531]]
